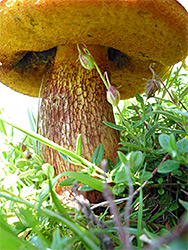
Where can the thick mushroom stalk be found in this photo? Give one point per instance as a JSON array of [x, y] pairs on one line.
[[74, 102]]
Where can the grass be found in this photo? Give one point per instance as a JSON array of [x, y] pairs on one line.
[[145, 192]]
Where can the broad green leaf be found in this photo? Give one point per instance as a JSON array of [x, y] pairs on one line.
[[174, 206], [120, 176], [182, 146], [135, 160], [114, 126], [118, 189], [86, 179], [164, 141], [168, 166], [172, 149], [139, 98], [9, 240], [145, 175], [122, 157], [98, 155]]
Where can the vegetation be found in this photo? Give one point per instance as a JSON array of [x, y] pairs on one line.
[[145, 192]]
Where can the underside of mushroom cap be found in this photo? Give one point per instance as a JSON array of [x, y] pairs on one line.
[[29, 75]]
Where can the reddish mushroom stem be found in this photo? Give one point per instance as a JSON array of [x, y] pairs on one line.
[[74, 102]]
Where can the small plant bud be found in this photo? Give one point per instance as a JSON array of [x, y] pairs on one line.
[[85, 57], [87, 61], [113, 96], [151, 87]]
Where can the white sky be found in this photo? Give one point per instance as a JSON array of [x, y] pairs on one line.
[[15, 105]]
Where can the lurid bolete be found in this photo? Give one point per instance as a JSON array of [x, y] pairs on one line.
[[38, 43]]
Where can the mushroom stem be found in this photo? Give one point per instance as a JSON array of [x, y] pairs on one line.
[[74, 102]]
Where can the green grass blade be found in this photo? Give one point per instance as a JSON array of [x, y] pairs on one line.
[[77, 229], [140, 214], [86, 179], [79, 145], [50, 144]]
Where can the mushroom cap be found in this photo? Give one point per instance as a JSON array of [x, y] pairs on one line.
[[144, 30]]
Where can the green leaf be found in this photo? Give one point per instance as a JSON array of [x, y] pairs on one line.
[[65, 157], [98, 155], [172, 146], [67, 182], [86, 179], [173, 206], [168, 115], [57, 203], [184, 204], [79, 145], [140, 217], [164, 141], [9, 240], [151, 131], [145, 175], [114, 126], [161, 191], [130, 145], [183, 93], [172, 142], [30, 172], [168, 166], [141, 121], [177, 131], [122, 157], [135, 160], [182, 146], [118, 189], [120, 176], [139, 98]]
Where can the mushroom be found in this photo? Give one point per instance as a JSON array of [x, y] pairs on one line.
[[38, 43]]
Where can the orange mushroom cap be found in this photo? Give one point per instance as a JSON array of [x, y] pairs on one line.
[[143, 30]]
